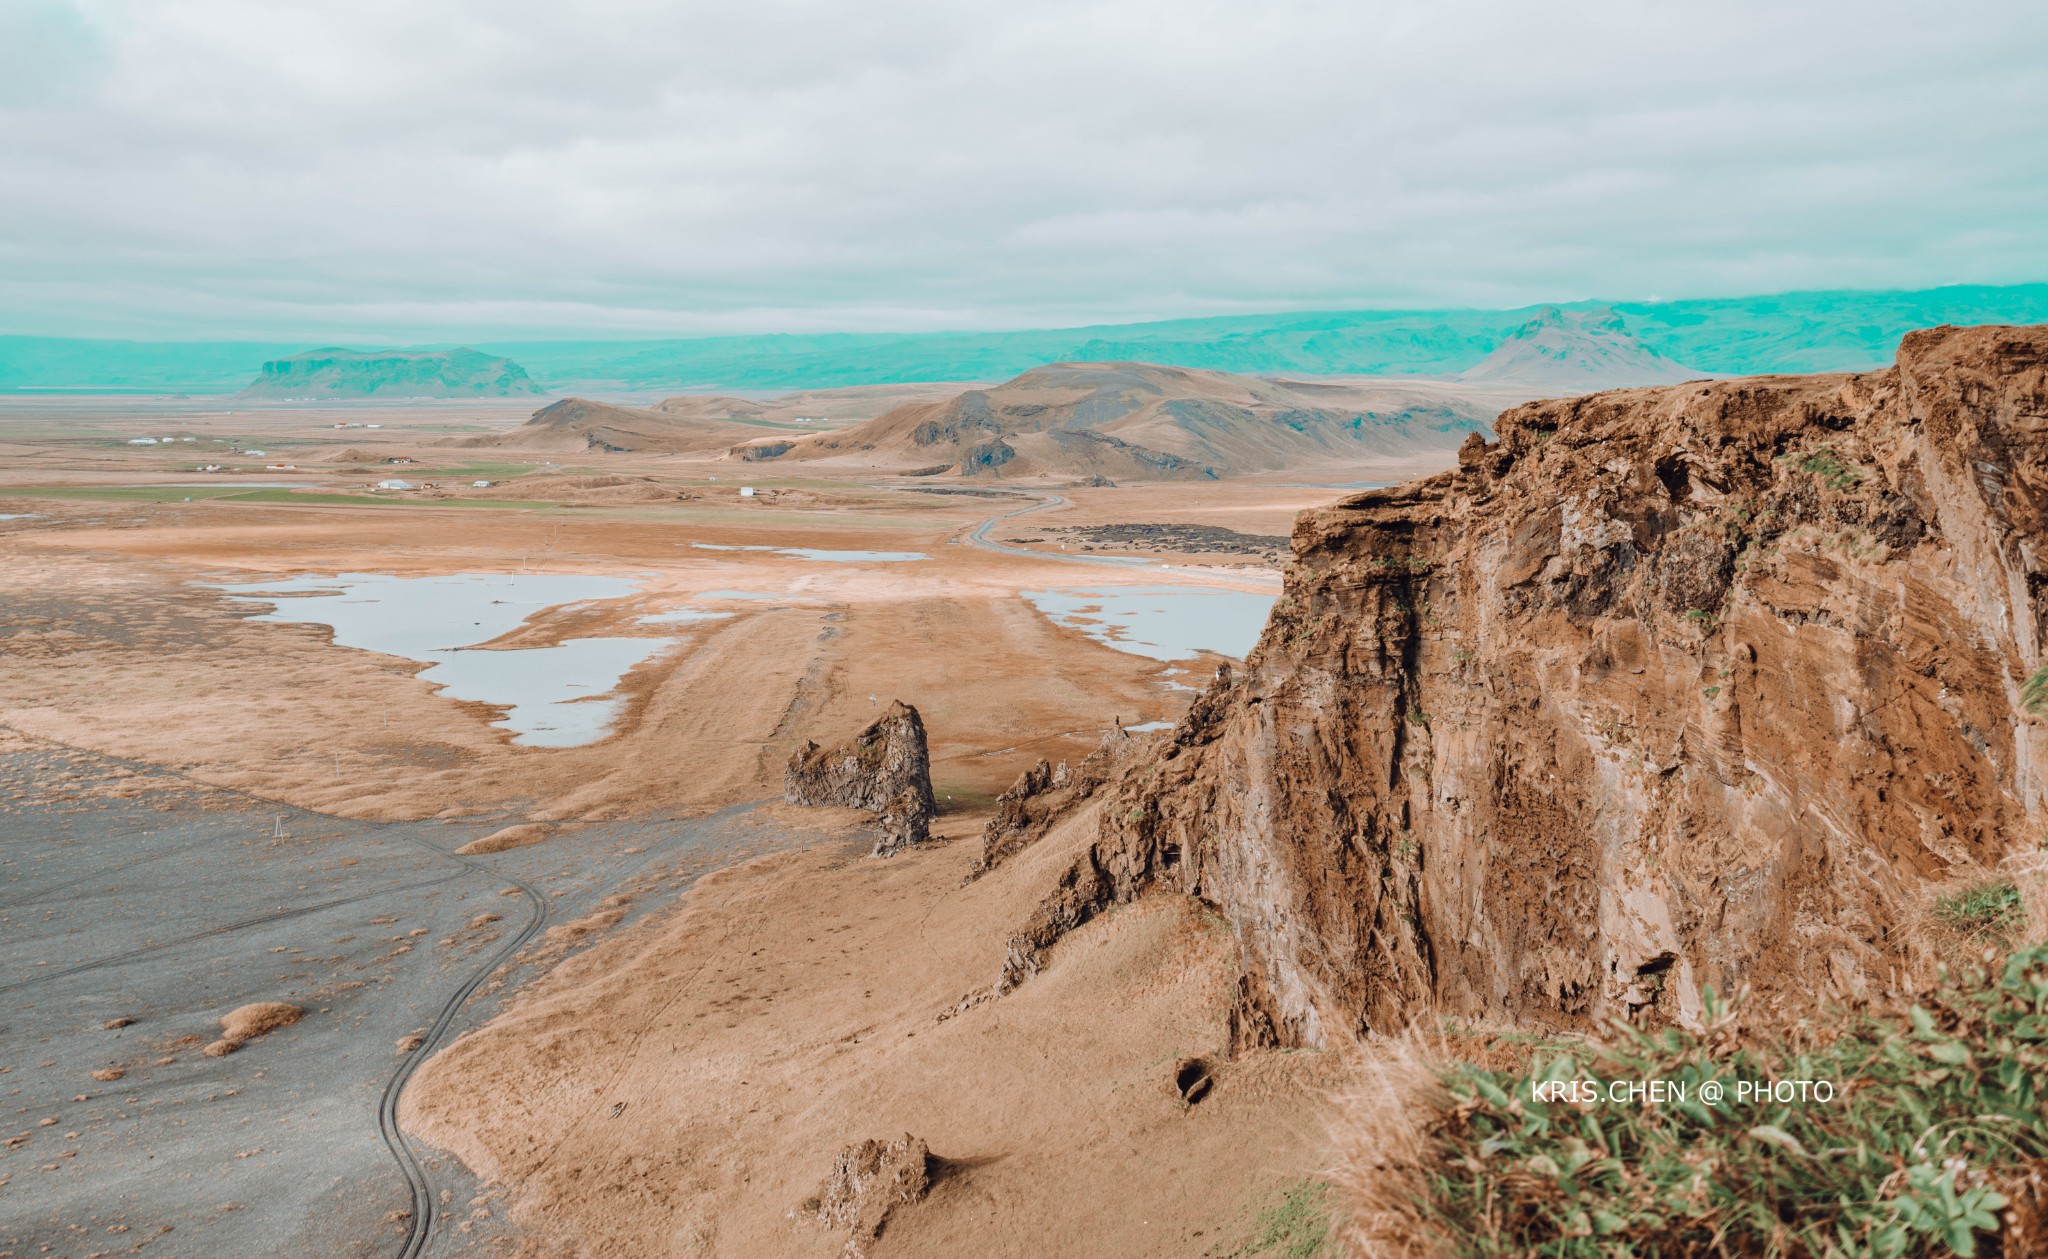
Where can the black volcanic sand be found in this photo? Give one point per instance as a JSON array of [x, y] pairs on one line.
[[175, 905]]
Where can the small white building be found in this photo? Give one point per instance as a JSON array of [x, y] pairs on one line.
[[746, 491], [396, 484], [142, 441], [480, 485]]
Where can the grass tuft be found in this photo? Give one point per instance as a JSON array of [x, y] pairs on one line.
[[1937, 1124], [2034, 693], [1984, 911], [1297, 1227], [1826, 465]]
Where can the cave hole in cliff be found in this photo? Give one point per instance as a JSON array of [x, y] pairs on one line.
[[1192, 1080], [1653, 979], [1676, 476], [1169, 857]]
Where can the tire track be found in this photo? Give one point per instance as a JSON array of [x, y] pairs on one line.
[[209, 933], [420, 1226]]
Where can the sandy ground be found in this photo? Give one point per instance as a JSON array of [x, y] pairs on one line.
[[680, 1089], [751, 1028]]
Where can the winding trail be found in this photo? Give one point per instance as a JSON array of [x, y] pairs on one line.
[[979, 536], [419, 1228]]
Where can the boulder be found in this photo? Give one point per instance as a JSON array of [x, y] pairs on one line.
[[869, 1180]]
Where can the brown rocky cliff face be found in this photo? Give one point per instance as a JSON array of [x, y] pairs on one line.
[[1670, 687]]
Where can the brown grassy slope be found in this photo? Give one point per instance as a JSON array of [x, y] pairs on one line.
[[577, 425], [803, 1002]]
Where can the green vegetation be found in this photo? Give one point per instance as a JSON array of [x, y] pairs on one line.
[[1835, 474], [243, 494], [1933, 1113], [1296, 1227], [1986, 911], [2034, 694]]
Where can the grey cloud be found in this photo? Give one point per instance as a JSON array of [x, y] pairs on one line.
[[463, 167]]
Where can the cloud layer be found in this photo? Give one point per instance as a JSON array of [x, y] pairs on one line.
[[460, 168]]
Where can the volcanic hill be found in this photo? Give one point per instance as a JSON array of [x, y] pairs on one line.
[[1717, 684], [1145, 422], [1576, 351], [339, 373]]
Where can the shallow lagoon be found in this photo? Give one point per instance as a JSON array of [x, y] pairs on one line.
[[1161, 622], [555, 696]]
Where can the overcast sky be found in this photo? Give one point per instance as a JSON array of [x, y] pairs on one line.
[[447, 169]]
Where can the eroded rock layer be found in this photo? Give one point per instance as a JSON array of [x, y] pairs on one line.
[[1706, 684]]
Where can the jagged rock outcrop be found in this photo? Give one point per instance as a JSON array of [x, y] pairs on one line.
[[886, 769], [869, 1180], [904, 821], [1045, 793], [1707, 684]]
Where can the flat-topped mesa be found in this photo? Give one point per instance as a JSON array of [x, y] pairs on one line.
[[1715, 683], [885, 769]]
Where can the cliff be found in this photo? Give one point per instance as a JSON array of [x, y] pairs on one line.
[[338, 373], [1710, 684]]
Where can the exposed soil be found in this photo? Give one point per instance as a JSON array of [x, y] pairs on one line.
[[683, 1089]]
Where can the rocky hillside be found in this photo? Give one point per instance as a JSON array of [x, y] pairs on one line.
[[579, 425], [1713, 684], [337, 373], [1139, 421], [1575, 351]]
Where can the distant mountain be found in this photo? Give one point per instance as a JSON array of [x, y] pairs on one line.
[[579, 425], [338, 373], [1576, 351], [1141, 421], [1792, 332]]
